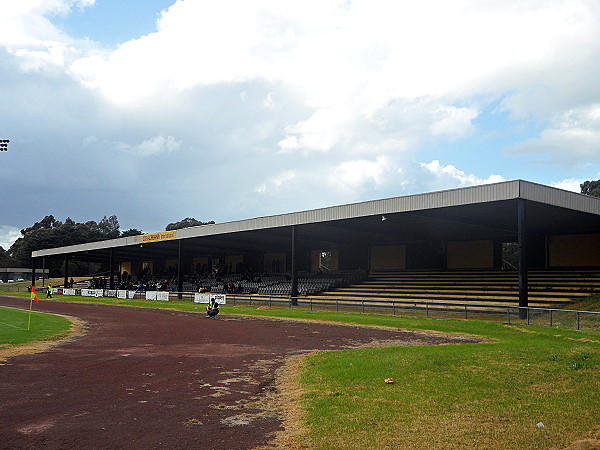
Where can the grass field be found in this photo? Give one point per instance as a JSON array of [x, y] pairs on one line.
[[13, 327], [490, 395]]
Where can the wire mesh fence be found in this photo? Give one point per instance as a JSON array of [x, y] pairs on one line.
[[511, 314], [559, 318]]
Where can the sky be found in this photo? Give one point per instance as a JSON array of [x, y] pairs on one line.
[[158, 110]]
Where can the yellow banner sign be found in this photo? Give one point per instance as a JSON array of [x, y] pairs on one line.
[[162, 236]]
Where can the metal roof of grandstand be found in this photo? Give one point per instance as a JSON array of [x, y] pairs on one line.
[[470, 213]]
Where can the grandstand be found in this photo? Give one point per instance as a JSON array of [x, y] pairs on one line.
[[438, 246]]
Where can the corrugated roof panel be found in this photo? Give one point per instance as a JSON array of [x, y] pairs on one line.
[[454, 197], [559, 197]]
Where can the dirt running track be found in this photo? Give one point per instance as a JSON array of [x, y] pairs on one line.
[[143, 378]]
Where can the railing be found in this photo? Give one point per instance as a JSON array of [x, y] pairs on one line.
[[561, 318], [505, 263], [510, 314]]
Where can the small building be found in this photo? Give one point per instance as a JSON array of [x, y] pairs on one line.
[[10, 274]]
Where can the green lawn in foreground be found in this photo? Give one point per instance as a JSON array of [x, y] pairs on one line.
[[489, 395], [13, 327]]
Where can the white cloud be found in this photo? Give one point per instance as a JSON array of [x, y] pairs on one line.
[[8, 235], [349, 60], [355, 174], [27, 31], [449, 176], [269, 100], [569, 184], [290, 99], [153, 146], [575, 137]]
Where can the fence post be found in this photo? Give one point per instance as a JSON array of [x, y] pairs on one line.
[[427, 310], [363, 305], [578, 329], [550, 318], [311, 303], [527, 311], [508, 314], [466, 314], [394, 308]]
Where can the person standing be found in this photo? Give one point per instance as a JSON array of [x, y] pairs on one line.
[[49, 291]]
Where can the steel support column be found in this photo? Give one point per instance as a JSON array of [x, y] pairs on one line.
[[522, 238], [179, 277], [294, 291], [66, 280], [33, 271], [111, 276]]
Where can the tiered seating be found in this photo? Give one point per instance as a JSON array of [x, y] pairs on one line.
[[547, 288], [281, 284], [309, 285]]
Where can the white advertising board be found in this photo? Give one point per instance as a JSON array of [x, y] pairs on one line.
[[206, 297], [121, 293], [67, 291], [201, 297], [157, 295]]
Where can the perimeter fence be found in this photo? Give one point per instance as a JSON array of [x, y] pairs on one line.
[[509, 314]]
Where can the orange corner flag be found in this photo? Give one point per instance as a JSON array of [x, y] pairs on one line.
[[34, 294]]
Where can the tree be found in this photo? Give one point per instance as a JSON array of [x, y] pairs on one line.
[[51, 233], [591, 188], [131, 232], [109, 227], [187, 222], [5, 259]]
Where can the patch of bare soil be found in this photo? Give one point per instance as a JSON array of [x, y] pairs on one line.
[[589, 443]]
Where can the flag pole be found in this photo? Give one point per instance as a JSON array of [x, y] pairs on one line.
[[30, 306], [31, 299]]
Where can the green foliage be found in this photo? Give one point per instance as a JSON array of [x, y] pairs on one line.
[[5, 259], [52, 233], [109, 227], [187, 222], [131, 232], [591, 188]]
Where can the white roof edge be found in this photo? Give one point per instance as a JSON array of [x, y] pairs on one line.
[[559, 197], [505, 190], [98, 245]]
